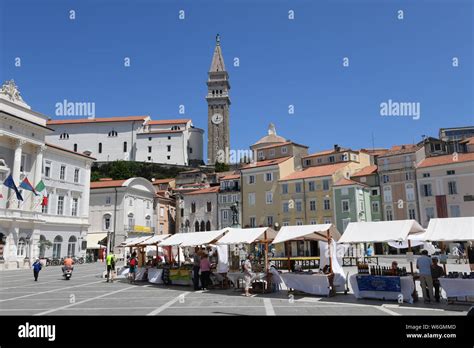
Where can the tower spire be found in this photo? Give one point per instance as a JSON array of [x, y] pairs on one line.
[[217, 63]]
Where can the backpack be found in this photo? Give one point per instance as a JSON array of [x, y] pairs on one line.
[[133, 262]]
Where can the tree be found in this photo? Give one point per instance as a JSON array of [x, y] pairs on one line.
[[221, 167]]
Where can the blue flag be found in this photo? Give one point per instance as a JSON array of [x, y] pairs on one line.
[[11, 184]]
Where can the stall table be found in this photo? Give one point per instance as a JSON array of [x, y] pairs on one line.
[[315, 284], [154, 275], [457, 287], [235, 277], [379, 285]]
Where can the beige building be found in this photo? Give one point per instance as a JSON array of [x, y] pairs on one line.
[[337, 155], [260, 191], [165, 205], [446, 186]]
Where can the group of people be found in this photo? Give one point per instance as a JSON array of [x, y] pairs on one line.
[[201, 269], [429, 272], [465, 254]]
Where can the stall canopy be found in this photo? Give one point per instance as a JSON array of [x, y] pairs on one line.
[[192, 238], [450, 229], [247, 235], [155, 239], [307, 232], [380, 231], [93, 240], [136, 241]]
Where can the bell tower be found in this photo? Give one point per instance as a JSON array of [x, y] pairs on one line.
[[218, 103]]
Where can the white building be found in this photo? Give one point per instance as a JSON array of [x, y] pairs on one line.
[[24, 225], [229, 195], [200, 210], [122, 207], [132, 138]]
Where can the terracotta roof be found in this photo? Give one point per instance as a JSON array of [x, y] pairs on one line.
[[374, 152], [328, 152], [162, 131], [106, 183], [266, 163], [162, 181], [280, 144], [446, 159], [347, 182], [366, 171], [97, 120], [66, 150], [230, 177], [400, 149], [213, 189], [318, 171], [177, 121], [468, 141]]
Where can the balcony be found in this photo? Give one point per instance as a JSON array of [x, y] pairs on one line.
[[20, 214]]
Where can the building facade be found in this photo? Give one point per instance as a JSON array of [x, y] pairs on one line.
[[200, 210], [230, 203], [55, 226]]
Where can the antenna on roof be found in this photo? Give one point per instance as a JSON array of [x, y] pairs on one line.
[[373, 141]]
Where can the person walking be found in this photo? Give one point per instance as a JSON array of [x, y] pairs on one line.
[[36, 269], [205, 266], [249, 276], [196, 267], [470, 255], [423, 264], [110, 260], [133, 267], [436, 272]]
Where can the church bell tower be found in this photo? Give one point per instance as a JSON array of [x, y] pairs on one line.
[[218, 102]]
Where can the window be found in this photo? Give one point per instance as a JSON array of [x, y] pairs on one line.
[[298, 187], [75, 206], [196, 226], [47, 169], [208, 225], [193, 207], [251, 198], [168, 157], [408, 176], [411, 212], [251, 179], [130, 202], [312, 205], [426, 175], [361, 206], [375, 192], [327, 220], [268, 177], [284, 189], [311, 186], [148, 221], [190, 150], [44, 207], [385, 179], [113, 133], [313, 222], [284, 150], [260, 155], [320, 160], [162, 212], [344, 191], [108, 200], [253, 222], [375, 207], [430, 213], [345, 205], [100, 147], [452, 189], [149, 138], [64, 136], [131, 221], [224, 199], [168, 147], [286, 223], [71, 246], [209, 207], [76, 175], [407, 161], [451, 172], [270, 221], [299, 222], [269, 197], [106, 219], [307, 162], [385, 164], [75, 147], [298, 206], [325, 185], [331, 159], [181, 212], [57, 247], [426, 190], [21, 247], [62, 173], [272, 153], [60, 210], [388, 213], [387, 194], [454, 211], [410, 191], [286, 207], [225, 215], [327, 204]]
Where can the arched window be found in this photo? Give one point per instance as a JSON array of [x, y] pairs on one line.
[[208, 225], [21, 248], [113, 133], [209, 206], [42, 246], [203, 226], [107, 218], [71, 246], [148, 221], [193, 207], [175, 128], [124, 146], [75, 147], [64, 136], [100, 147], [196, 226], [57, 247], [131, 220]]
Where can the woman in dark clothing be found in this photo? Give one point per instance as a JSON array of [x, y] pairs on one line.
[[470, 255], [36, 269]]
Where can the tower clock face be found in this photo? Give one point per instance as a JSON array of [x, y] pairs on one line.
[[217, 118]]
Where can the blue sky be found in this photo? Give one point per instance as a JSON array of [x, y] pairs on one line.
[[282, 62]]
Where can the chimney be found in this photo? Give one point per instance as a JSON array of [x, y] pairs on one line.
[[336, 148]]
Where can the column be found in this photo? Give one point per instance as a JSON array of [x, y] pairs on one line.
[[16, 167], [37, 175], [84, 198]]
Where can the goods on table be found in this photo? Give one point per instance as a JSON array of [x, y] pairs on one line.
[[362, 268], [388, 271], [456, 275]]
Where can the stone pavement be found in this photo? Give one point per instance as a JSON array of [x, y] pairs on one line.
[[88, 294]]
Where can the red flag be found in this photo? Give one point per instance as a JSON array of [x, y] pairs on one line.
[[45, 201]]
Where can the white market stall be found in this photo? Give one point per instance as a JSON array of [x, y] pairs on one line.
[[309, 282], [388, 287], [453, 230], [239, 236], [154, 274]]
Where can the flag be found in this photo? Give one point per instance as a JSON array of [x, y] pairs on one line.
[[25, 184], [11, 184], [44, 202], [40, 186]]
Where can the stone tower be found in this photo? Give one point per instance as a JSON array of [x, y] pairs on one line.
[[218, 102]]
